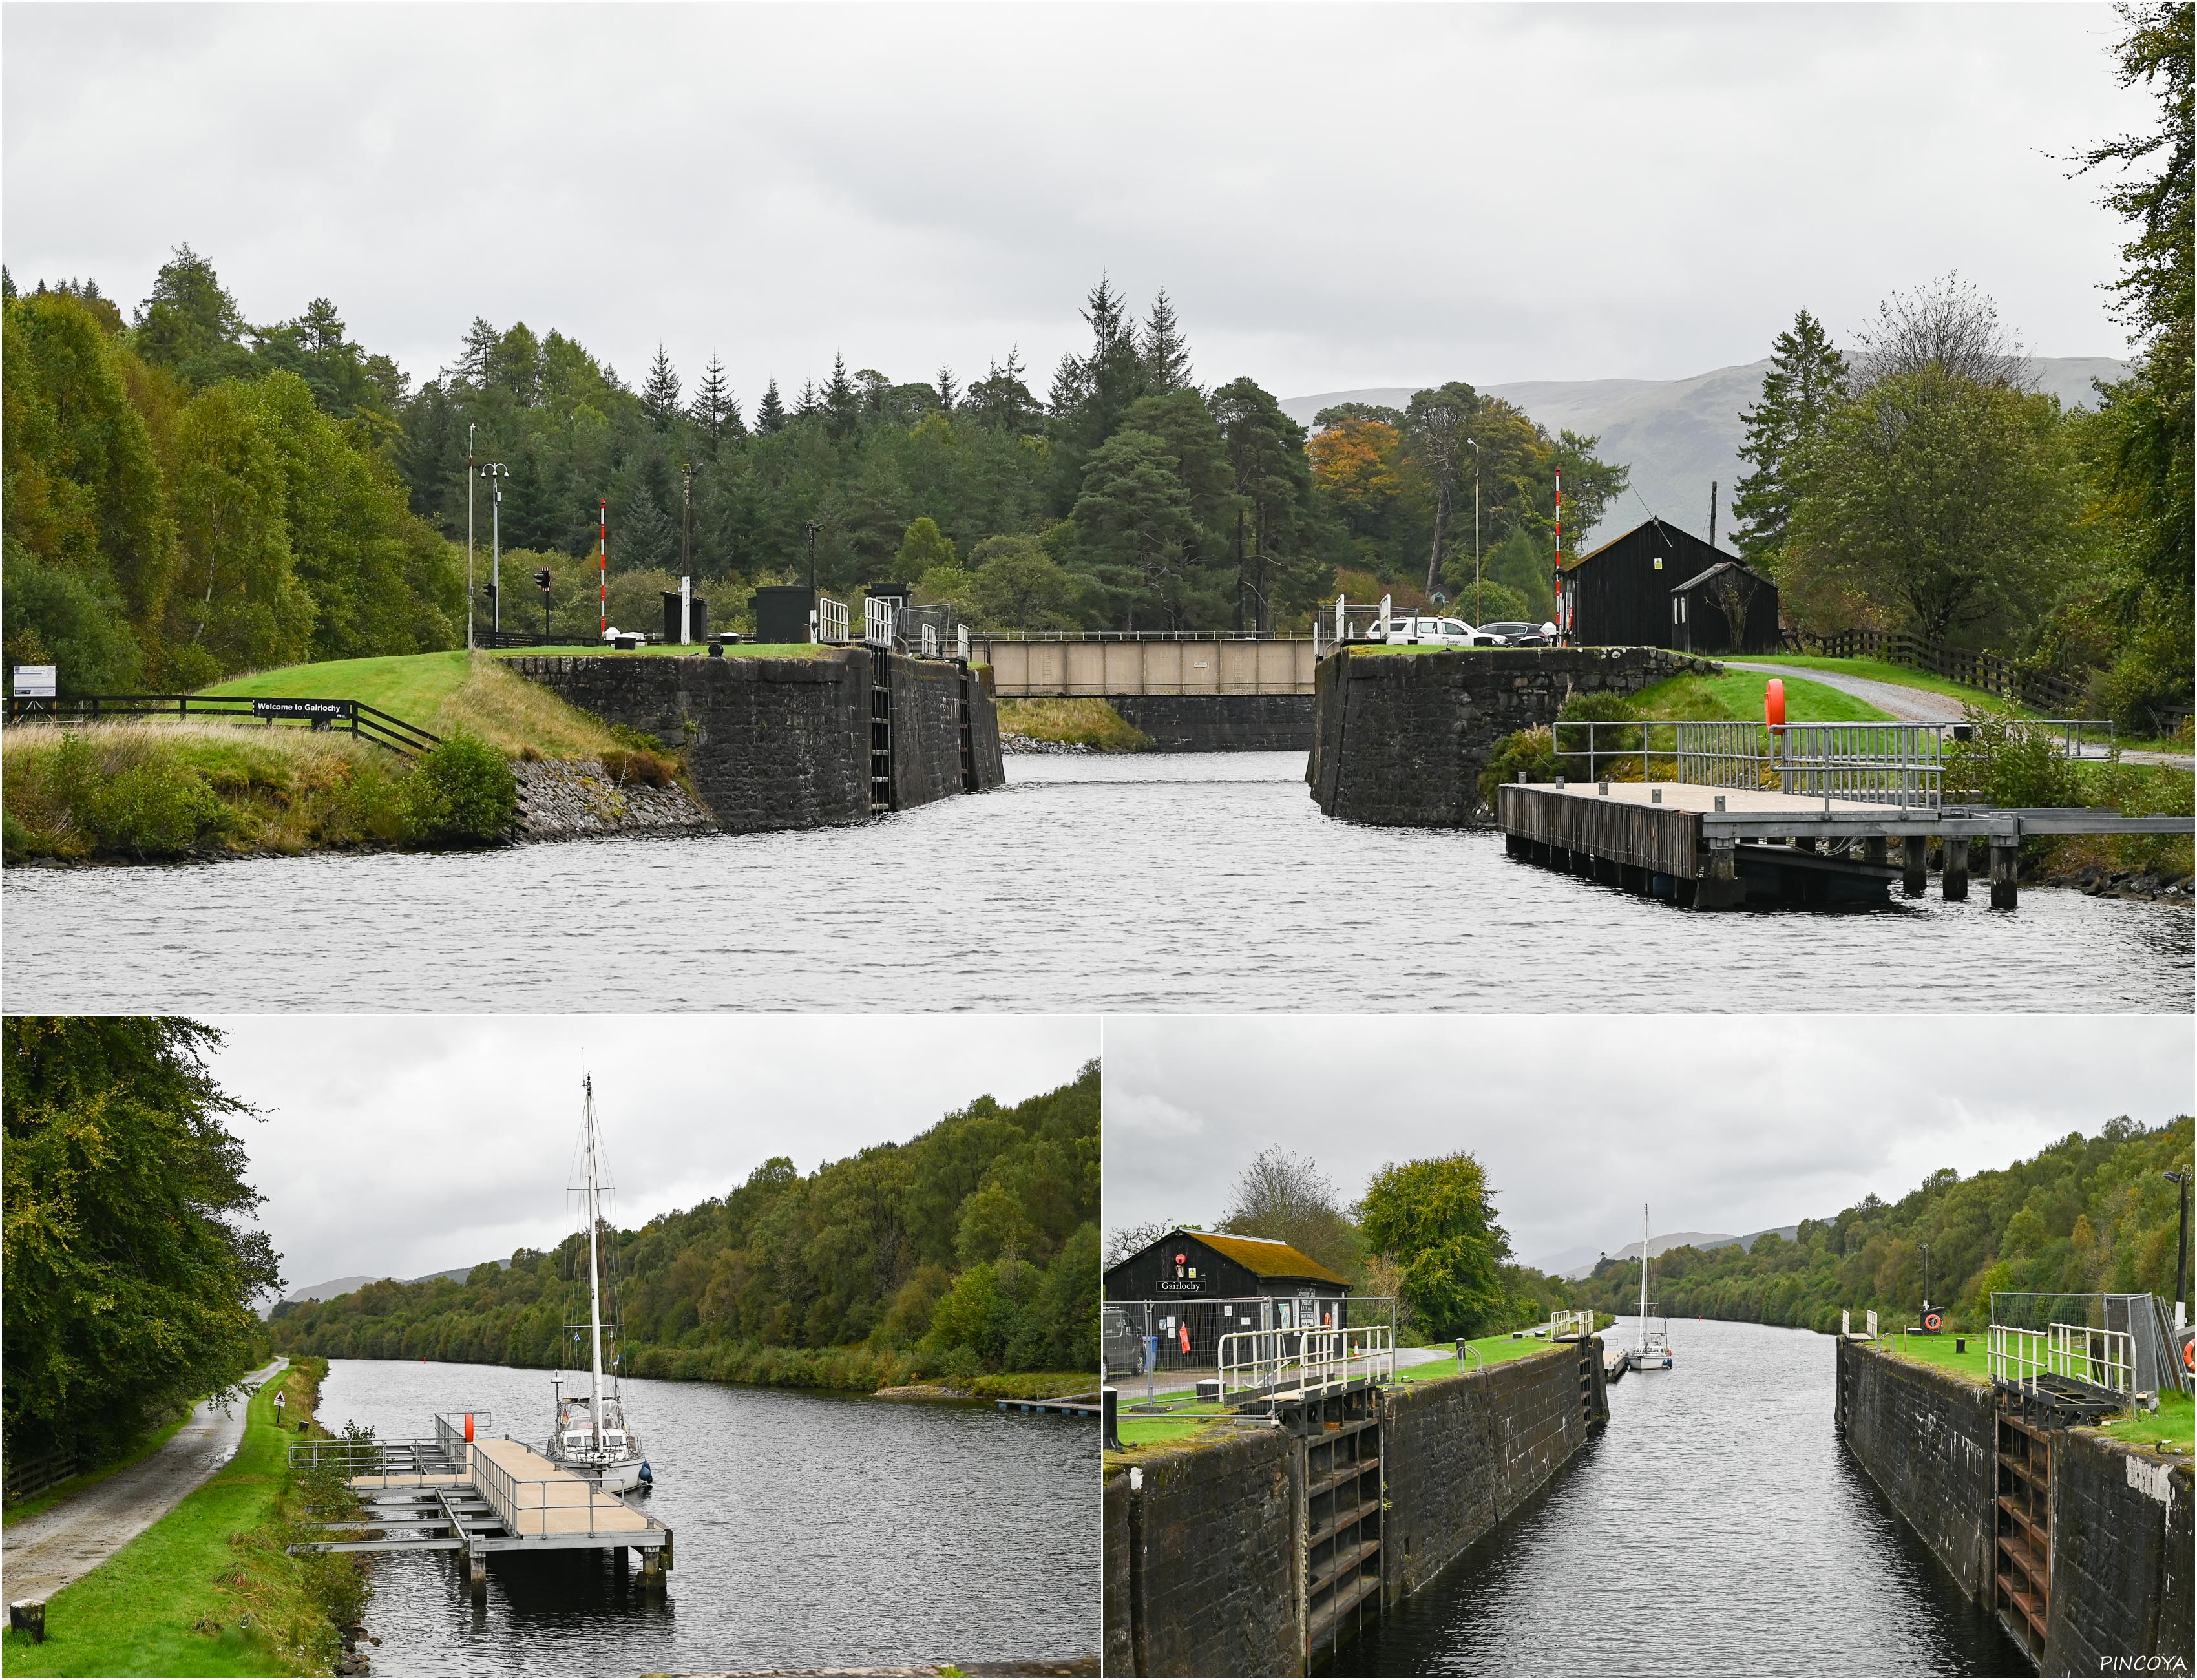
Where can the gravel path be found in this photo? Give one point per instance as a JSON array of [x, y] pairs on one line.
[[1922, 705], [43, 1553]]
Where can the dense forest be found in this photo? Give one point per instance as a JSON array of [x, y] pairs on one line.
[[1913, 481], [974, 1248], [188, 494], [2088, 1213], [130, 1291]]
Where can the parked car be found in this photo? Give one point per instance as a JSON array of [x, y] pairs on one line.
[[1120, 1344], [1415, 630], [1517, 634]]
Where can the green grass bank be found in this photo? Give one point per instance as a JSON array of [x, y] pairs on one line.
[[208, 1590], [1082, 722], [2175, 1420]]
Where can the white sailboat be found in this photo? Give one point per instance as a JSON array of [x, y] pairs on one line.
[[591, 1438], [1653, 1350]]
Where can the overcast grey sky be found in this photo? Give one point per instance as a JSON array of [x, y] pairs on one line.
[[406, 1146], [1336, 196], [1720, 1123]]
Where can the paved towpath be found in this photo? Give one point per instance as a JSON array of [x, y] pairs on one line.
[[43, 1553], [1920, 705]]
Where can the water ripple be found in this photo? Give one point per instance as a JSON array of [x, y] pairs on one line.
[[1157, 883]]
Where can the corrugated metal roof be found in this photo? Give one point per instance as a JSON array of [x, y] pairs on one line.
[[1265, 1256]]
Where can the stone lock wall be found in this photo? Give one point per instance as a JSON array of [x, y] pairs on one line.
[[1929, 1439], [1220, 722], [1204, 1561], [2121, 1541], [1462, 1453], [1211, 1581], [773, 743], [1402, 739], [2122, 1530]]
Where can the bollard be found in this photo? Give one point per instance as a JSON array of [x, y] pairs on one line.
[[1914, 865], [28, 1615], [1110, 1437], [2005, 876], [1954, 881]]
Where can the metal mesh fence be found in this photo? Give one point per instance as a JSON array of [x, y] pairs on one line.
[[1185, 1336]]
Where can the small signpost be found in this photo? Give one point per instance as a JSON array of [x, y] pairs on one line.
[[35, 682]]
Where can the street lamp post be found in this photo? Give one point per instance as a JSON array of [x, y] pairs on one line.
[[496, 473], [2181, 1182], [1475, 442], [686, 552]]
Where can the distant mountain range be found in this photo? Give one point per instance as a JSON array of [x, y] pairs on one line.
[[344, 1286], [1573, 1264], [1677, 436]]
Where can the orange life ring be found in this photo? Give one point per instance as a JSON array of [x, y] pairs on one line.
[[2190, 1356]]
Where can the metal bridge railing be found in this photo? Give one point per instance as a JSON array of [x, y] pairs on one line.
[[454, 1429], [2103, 1358], [370, 1457], [1571, 1325], [1332, 626], [831, 620]]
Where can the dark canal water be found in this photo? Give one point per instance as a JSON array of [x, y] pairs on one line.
[[1717, 1527], [1155, 883], [811, 1531]]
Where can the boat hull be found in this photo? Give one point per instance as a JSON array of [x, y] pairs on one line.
[[620, 1475]]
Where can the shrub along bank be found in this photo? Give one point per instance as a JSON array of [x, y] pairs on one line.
[[146, 791], [159, 788], [209, 1589]]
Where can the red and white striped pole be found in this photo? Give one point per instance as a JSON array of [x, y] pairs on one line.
[[603, 562], [1560, 556]]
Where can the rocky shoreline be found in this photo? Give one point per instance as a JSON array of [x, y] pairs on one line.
[[2141, 885], [572, 799], [1031, 743]]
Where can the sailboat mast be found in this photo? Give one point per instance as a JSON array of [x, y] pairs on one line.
[[595, 1280], [1643, 1274]]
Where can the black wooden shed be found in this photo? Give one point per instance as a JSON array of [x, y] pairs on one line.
[[1658, 586], [1195, 1286]]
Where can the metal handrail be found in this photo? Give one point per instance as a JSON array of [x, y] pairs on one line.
[[1267, 1362], [1882, 763], [2102, 1359], [831, 620], [879, 613], [363, 722], [1571, 1324], [503, 1491]]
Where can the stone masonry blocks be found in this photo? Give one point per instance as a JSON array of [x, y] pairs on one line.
[[1400, 739]]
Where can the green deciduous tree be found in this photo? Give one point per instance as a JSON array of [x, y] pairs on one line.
[[922, 547], [131, 1282], [1434, 1221], [1952, 504]]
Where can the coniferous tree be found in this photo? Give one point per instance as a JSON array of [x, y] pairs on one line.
[[810, 402], [1003, 399], [948, 392], [1165, 351], [659, 392], [1806, 381], [843, 402], [480, 342], [716, 410], [189, 324], [770, 413]]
